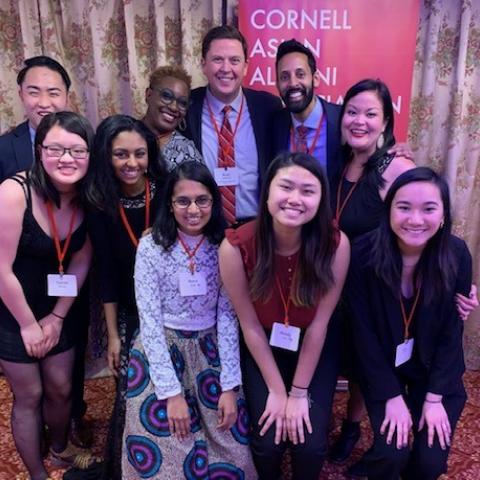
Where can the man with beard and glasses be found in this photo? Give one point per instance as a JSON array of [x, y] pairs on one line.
[[230, 124], [308, 123]]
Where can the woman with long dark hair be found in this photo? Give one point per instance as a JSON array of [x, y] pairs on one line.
[[408, 333], [44, 259], [185, 414], [132, 174], [284, 273]]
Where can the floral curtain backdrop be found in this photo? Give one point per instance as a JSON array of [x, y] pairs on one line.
[[109, 47]]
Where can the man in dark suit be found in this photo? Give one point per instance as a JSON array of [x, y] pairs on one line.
[[307, 123], [43, 88], [224, 63]]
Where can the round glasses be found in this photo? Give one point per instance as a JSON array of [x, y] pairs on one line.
[[185, 202], [168, 97], [57, 151]]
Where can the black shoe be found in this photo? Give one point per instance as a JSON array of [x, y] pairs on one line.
[[349, 436], [358, 469], [81, 434]]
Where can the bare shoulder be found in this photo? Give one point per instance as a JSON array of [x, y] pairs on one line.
[[228, 253], [12, 195]]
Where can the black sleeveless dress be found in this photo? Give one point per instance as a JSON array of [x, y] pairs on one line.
[[36, 258]]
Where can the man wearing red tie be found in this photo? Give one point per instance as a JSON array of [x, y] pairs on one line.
[[229, 124]]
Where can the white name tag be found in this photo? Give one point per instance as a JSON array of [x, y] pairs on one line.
[[285, 337], [404, 352], [62, 285], [226, 177], [192, 284]]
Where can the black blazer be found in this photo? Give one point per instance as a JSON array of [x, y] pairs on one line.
[[377, 327], [282, 123], [261, 106], [16, 153]]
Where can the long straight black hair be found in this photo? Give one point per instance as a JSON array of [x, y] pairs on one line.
[[437, 268], [165, 226], [319, 240]]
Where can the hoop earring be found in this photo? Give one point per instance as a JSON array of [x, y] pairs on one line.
[[442, 223], [380, 141], [182, 124]]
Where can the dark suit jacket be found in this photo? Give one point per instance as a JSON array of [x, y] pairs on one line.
[[377, 328], [282, 123], [261, 106], [16, 152]]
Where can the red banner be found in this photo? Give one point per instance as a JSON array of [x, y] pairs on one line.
[[351, 40]]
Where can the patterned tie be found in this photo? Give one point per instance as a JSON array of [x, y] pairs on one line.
[[226, 158], [302, 146]]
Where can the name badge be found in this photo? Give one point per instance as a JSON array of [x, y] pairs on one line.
[[192, 284], [62, 285], [226, 177], [404, 352], [285, 337]]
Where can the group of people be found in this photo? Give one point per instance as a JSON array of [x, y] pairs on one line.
[[246, 254]]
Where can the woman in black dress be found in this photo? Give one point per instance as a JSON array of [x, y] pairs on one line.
[[44, 259], [408, 333], [132, 172]]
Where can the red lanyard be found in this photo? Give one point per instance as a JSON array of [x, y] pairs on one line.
[[286, 301], [56, 240], [124, 218], [340, 206], [214, 122], [191, 253], [408, 320], [311, 149]]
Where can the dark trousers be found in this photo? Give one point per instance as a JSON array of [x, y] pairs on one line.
[[419, 462], [307, 458]]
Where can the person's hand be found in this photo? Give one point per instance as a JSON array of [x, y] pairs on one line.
[[113, 354], [33, 340], [146, 232], [52, 327], [296, 413], [274, 413], [227, 410], [436, 419], [397, 417], [178, 416], [466, 305], [402, 150]]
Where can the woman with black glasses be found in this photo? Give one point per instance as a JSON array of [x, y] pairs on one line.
[[168, 99]]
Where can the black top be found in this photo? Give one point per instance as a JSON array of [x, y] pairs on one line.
[[114, 250], [378, 327]]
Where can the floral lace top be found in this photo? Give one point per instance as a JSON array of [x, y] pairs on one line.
[[180, 149], [160, 305]]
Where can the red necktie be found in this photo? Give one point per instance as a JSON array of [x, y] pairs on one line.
[[226, 158], [302, 146]]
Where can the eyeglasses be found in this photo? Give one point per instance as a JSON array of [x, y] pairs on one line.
[[200, 202], [168, 97], [58, 151]]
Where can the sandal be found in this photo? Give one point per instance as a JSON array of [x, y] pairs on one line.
[[74, 456]]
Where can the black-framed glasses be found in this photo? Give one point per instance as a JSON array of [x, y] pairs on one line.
[[58, 151], [168, 97], [200, 202]]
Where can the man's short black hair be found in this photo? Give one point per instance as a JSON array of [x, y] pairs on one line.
[[43, 61], [291, 46], [223, 32]]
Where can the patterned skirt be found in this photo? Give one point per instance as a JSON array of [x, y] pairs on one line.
[[149, 449]]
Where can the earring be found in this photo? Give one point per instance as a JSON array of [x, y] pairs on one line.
[[182, 124], [380, 141], [343, 142], [442, 223]]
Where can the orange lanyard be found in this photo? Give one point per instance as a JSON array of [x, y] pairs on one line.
[[214, 122], [340, 206], [124, 218], [311, 148], [191, 253], [56, 240], [407, 320], [286, 301]]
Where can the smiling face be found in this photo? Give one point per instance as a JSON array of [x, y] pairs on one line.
[[64, 171], [225, 67], [363, 122], [294, 196], [191, 220], [416, 215], [130, 160], [296, 83], [42, 92]]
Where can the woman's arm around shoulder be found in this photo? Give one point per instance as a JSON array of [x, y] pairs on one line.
[[397, 166]]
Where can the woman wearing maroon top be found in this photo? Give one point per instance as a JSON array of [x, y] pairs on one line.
[[284, 274]]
